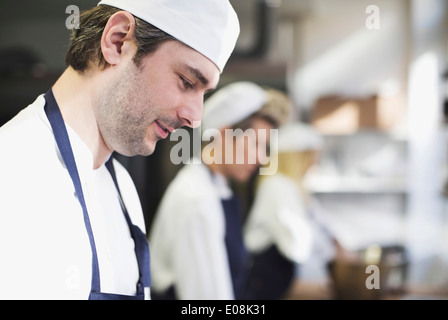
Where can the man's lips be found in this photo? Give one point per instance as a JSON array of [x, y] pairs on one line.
[[163, 130]]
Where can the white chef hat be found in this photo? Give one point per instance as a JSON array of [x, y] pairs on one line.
[[297, 136], [232, 104], [211, 27]]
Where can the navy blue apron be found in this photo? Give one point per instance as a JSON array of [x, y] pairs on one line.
[[236, 250], [141, 245], [270, 276]]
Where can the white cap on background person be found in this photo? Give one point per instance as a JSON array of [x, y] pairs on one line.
[[210, 27], [298, 136], [232, 104]]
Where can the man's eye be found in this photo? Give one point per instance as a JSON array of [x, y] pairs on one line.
[[186, 83]]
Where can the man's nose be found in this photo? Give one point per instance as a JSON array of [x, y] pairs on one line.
[[191, 112]]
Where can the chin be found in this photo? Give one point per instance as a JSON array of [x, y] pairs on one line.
[[143, 150], [149, 150]]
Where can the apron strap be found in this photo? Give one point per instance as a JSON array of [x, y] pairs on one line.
[[60, 134], [236, 250], [141, 244]]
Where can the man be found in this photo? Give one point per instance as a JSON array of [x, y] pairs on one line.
[[71, 224]]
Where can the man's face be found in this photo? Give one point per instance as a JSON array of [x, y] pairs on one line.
[[140, 105]]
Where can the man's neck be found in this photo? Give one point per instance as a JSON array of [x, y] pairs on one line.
[[74, 93]]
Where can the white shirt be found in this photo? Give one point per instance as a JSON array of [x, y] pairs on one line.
[[187, 238], [44, 247], [278, 216], [302, 233]]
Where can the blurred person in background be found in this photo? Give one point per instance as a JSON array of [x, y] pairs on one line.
[[196, 238], [281, 231]]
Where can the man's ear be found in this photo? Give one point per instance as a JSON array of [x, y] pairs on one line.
[[118, 37]]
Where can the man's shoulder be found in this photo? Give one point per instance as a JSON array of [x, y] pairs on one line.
[[27, 143], [25, 127]]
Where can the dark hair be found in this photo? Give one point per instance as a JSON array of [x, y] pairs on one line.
[[85, 42]]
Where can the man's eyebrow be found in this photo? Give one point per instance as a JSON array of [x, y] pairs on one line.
[[198, 75]]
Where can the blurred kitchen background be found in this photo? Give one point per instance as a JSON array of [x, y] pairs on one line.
[[371, 76]]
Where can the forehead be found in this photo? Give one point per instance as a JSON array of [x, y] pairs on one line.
[[184, 58]]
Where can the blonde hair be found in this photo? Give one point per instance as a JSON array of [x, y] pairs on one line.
[[278, 106], [294, 165]]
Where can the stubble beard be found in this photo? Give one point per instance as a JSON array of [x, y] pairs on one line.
[[123, 115]]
